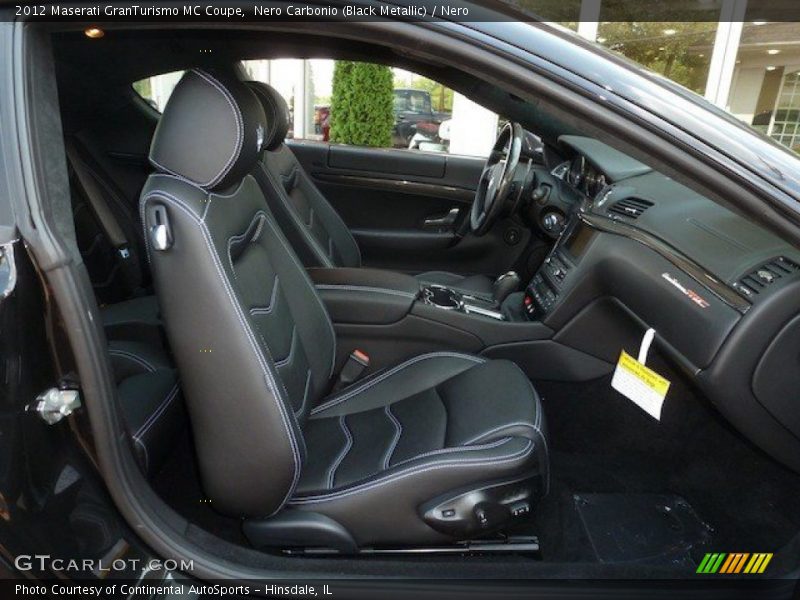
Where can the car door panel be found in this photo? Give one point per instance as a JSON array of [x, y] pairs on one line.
[[409, 210], [385, 160]]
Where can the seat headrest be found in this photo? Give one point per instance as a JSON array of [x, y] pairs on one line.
[[211, 132], [277, 112]]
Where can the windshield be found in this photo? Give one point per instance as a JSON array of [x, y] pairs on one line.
[[412, 101]]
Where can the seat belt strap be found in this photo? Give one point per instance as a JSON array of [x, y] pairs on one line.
[[91, 191], [105, 217]]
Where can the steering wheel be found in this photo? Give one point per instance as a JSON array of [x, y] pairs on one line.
[[495, 184]]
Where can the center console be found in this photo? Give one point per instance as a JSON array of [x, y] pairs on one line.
[[544, 290], [447, 299], [391, 316]]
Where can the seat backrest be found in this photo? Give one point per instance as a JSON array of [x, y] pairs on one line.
[[314, 228], [251, 338]]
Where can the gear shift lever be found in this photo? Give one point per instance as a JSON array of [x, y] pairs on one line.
[[504, 285]]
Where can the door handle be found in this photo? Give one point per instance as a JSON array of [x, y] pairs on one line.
[[446, 221]]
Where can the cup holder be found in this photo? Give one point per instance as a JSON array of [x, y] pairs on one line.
[[442, 297]]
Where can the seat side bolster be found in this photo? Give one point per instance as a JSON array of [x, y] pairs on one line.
[[384, 387], [507, 453]]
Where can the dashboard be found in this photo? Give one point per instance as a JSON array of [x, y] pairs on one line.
[[585, 177], [636, 249]]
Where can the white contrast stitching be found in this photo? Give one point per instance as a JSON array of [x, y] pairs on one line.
[[141, 444], [285, 361], [380, 377], [260, 217], [145, 427], [304, 276], [451, 464], [265, 310], [348, 444], [237, 115], [300, 410], [500, 428], [399, 431], [454, 450], [133, 357], [364, 288], [173, 176]]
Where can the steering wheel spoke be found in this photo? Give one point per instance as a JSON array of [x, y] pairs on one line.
[[495, 184]]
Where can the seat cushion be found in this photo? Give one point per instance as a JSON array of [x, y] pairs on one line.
[[436, 423], [473, 285], [137, 319], [134, 358]]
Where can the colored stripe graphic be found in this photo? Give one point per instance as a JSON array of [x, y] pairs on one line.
[[727, 564], [734, 563], [736, 568], [701, 568], [758, 563], [711, 562]]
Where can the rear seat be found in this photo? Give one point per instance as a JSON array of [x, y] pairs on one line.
[[109, 237], [147, 386]]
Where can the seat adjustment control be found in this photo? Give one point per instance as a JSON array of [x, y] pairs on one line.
[[519, 509], [477, 512]]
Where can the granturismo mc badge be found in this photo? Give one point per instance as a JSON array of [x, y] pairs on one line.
[[733, 563]]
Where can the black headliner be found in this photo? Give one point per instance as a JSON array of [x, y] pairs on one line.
[[95, 76]]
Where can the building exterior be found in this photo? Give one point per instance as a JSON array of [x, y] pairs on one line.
[[725, 50], [735, 57]]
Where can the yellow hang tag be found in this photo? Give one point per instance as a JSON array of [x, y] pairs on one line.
[[639, 383]]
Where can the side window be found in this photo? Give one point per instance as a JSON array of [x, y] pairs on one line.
[[156, 90], [373, 105]]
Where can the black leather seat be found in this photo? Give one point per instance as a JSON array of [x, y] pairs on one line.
[[255, 349], [107, 224], [315, 230], [150, 399]]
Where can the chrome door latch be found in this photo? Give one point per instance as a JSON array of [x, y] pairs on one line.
[[55, 404]]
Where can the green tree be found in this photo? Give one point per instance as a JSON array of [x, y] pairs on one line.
[[361, 104], [143, 88]]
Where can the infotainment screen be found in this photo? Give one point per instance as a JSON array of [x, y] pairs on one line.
[[578, 239]]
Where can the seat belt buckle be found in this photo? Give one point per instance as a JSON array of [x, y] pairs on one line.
[[353, 368]]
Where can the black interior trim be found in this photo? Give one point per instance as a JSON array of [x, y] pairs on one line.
[[680, 260], [403, 186]]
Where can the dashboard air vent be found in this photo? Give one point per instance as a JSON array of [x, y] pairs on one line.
[[757, 280], [630, 207]]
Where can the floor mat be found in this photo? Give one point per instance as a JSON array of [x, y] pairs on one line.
[[601, 443], [645, 528]]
